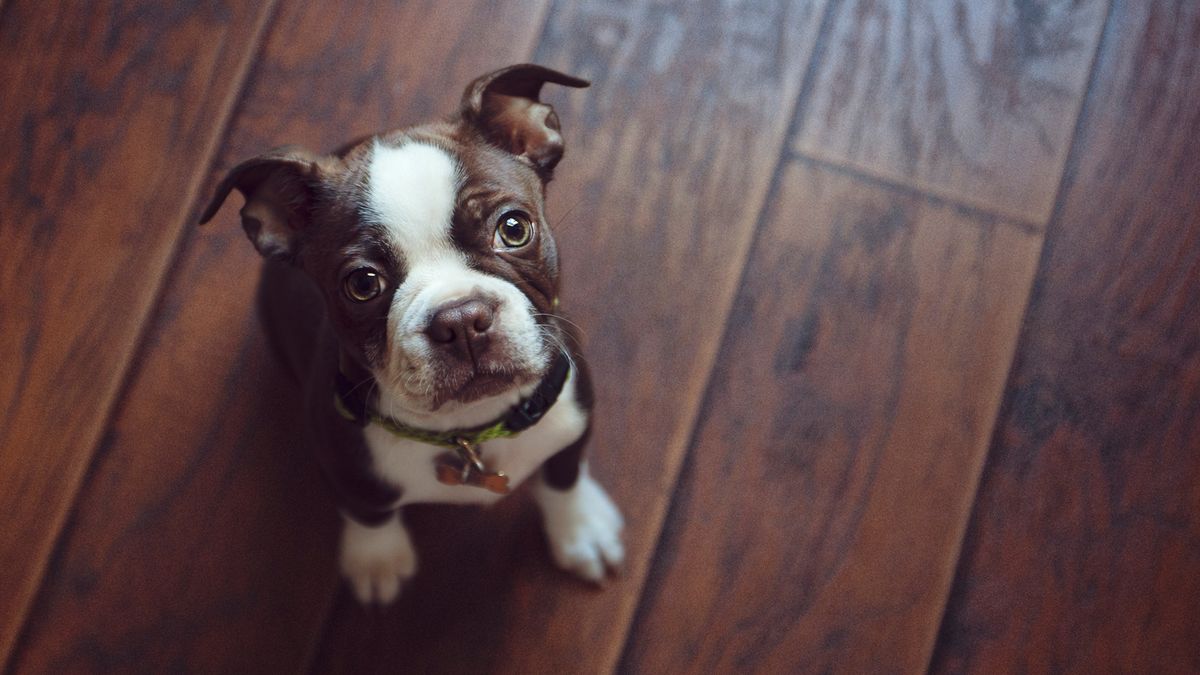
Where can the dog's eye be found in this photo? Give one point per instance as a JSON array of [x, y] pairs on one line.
[[363, 284], [514, 230]]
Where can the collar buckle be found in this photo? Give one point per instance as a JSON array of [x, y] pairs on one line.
[[527, 414]]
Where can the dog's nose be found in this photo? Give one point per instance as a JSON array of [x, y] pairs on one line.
[[462, 327]]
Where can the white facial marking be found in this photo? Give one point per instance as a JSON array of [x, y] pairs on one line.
[[411, 193], [412, 189]]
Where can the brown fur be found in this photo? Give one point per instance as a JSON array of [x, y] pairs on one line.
[[305, 212]]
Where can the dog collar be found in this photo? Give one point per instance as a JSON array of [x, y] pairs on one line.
[[468, 468]]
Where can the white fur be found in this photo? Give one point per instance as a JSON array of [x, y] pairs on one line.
[[411, 464], [583, 527], [411, 194], [377, 560]]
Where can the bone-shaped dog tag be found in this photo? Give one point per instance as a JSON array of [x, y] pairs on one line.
[[457, 473], [450, 472], [468, 469], [492, 481]]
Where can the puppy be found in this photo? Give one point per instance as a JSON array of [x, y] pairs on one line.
[[411, 287]]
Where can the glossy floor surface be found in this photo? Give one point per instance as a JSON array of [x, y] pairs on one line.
[[894, 309]]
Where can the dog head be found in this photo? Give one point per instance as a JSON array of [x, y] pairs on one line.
[[429, 244]]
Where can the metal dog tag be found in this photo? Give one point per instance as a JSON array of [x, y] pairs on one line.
[[468, 469]]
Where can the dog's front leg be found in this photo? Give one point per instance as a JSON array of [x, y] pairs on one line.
[[583, 526], [378, 559], [377, 554]]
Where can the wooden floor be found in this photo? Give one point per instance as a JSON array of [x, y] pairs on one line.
[[894, 307]]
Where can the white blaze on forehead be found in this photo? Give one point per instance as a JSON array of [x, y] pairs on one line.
[[411, 191]]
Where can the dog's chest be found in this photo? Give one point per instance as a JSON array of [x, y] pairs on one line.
[[412, 465]]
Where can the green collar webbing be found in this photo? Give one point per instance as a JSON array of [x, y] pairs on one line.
[[520, 417]]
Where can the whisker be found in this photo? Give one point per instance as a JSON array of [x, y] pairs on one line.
[[561, 223], [355, 387], [556, 340], [563, 348], [558, 337], [563, 319], [374, 386]]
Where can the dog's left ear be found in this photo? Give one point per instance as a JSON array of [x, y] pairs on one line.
[[504, 106]]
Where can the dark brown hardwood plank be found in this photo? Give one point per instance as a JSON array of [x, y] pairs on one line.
[[669, 158], [1083, 553], [204, 539], [110, 115], [970, 100], [818, 517]]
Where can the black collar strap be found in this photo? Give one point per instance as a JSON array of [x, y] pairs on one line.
[[352, 404]]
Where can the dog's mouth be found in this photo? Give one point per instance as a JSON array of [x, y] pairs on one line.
[[482, 386], [441, 377], [477, 385]]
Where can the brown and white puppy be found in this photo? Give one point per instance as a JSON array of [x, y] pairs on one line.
[[415, 269]]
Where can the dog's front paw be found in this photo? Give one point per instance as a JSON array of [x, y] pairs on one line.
[[377, 560], [584, 529]]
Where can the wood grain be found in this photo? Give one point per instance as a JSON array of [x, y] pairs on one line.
[[204, 539], [824, 389], [971, 100], [110, 114], [669, 158], [818, 518], [1084, 549]]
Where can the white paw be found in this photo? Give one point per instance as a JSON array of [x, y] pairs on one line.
[[377, 560], [584, 528]]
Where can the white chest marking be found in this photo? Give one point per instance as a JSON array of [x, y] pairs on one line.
[[410, 464]]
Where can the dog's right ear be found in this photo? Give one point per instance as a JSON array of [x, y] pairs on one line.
[[278, 187]]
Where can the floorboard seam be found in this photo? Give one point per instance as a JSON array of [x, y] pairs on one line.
[[1069, 166], [128, 370], [965, 207], [799, 109]]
